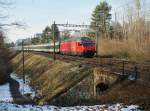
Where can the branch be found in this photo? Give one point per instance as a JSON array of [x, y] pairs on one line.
[[6, 3], [13, 24], [3, 17]]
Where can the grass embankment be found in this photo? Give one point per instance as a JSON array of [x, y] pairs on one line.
[[49, 77]]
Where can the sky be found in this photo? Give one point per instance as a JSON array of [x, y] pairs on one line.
[[37, 14]]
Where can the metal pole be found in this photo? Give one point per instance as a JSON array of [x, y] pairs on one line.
[[54, 56], [96, 40], [23, 62], [115, 25]]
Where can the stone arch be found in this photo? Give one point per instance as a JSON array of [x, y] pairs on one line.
[[103, 80], [101, 87]]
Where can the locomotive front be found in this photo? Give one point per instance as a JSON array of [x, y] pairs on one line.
[[88, 47]]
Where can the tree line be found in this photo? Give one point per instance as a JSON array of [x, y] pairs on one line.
[[47, 35], [101, 24], [101, 17]]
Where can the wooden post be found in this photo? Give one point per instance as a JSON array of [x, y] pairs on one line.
[[136, 72], [123, 65], [54, 56], [23, 72]]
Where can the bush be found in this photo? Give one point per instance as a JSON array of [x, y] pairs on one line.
[[5, 65]]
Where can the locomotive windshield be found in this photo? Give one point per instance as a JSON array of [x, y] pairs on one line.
[[88, 44], [87, 41]]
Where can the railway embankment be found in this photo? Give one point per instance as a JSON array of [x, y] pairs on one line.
[[50, 78], [72, 83]]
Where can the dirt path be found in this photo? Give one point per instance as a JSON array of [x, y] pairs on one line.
[[18, 98]]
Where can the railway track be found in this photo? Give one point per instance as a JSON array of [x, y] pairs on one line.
[[117, 66]]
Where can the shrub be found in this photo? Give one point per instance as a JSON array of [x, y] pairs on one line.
[[5, 65]]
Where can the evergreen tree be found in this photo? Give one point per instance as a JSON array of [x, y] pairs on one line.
[[46, 35], [57, 33], [65, 35], [36, 40], [101, 16]]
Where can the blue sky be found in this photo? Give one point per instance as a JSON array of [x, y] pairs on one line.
[[37, 14]]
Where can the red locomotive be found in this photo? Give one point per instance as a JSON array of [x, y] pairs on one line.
[[81, 46]]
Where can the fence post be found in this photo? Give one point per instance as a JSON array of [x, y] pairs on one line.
[[123, 65], [136, 72]]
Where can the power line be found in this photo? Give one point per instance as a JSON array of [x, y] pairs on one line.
[[76, 25]]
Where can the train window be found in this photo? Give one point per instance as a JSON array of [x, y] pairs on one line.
[[88, 44], [86, 39]]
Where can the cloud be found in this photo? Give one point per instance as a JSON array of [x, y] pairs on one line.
[[15, 34]]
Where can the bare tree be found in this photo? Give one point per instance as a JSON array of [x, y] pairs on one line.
[[4, 5], [138, 6]]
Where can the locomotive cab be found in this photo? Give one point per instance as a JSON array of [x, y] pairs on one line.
[[88, 47]]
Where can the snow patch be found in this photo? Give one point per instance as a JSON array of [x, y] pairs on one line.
[[24, 88], [132, 77], [115, 107], [5, 95]]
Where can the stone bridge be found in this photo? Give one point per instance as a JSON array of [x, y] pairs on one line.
[[103, 80], [89, 88]]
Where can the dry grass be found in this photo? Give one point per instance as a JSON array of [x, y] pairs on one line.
[[131, 92], [127, 49], [50, 77], [130, 38]]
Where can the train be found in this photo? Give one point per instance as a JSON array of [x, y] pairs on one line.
[[79, 46]]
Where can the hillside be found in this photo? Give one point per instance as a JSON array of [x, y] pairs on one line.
[[50, 78], [53, 78]]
